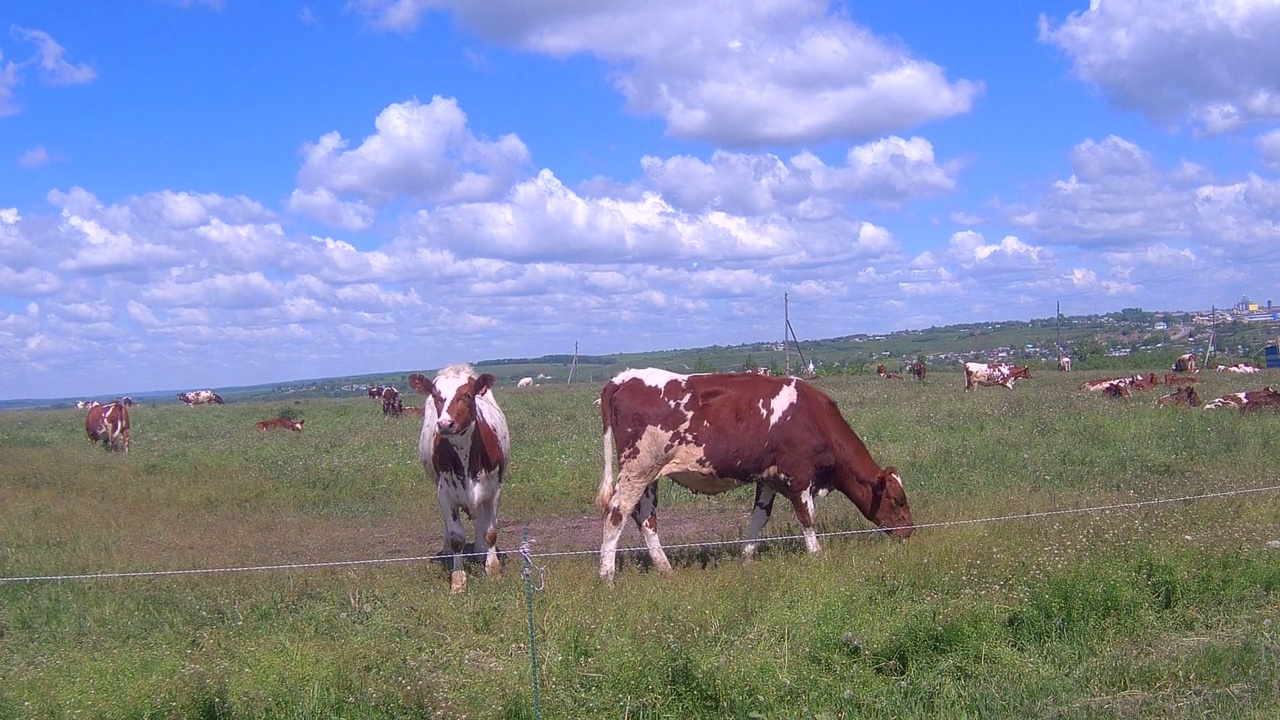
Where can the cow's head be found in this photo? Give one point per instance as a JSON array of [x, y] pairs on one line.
[[889, 507], [454, 392], [1019, 371]]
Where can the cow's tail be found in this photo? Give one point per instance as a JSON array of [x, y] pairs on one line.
[[605, 494]]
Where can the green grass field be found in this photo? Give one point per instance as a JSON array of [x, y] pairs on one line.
[[1162, 610]]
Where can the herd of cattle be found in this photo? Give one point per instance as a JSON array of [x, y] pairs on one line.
[[708, 432]]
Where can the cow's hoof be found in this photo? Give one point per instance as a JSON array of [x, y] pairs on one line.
[[458, 582]]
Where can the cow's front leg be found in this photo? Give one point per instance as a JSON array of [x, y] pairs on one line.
[[454, 541], [486, 528], [646, 518], [803, 504], [759, 516]]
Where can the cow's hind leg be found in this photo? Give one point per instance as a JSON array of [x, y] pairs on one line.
[[759, 516], [646, 518], [631, 486]]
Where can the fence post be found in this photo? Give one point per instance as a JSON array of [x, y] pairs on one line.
[[533, 647]]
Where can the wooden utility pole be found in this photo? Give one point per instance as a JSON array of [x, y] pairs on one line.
[[786, 329], [574, 366], [1213, 331], [1059, 333]]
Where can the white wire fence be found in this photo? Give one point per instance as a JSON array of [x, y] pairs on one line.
[[529, 556]]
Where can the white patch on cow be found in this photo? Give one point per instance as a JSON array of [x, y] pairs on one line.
[[783, 401]]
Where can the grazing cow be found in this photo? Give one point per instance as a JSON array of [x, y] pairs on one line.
[[280, 423], [525, 382], [1171, 380], [464, 448], [1185, 395], [976, 374], [200, 397], [1064, 364], [108, 424], [1241, 368], [391, 404], [917, 369], [1265, 399], [714, 432], [1185, 363]]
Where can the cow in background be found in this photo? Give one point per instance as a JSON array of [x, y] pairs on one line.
[[1183, 396], [375, 392], [464, 448], [86, 404], [1240, 368], [918, 369], [718, 431], [417, 411], [988, 374], [127, 401], [1185, 363], [525, 382], [882, 372], [391, 403], [1265, 399], [109, 425], [1064, 364], [280, 423], [1133, 382], [200, 397]]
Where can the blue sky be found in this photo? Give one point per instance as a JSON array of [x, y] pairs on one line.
[[208, 194]]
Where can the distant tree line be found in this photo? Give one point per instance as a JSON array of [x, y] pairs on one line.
[[550, 360]]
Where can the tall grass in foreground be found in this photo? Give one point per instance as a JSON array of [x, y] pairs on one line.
[[1163, 610]]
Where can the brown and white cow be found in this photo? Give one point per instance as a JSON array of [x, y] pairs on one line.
[[1185, 395], [1185, 363], [1064, 364], [1268, 398], [1121, 386], [200, 397], [375, 392], [280, 423], [464, 447], [918, 370], [714, 432], [391, 404], [884, 373], [108, 424], [987, 374]]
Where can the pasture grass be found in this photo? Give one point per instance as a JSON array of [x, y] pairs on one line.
[[1164, 610]]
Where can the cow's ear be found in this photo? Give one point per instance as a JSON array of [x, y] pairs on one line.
[[483, 383], [420, 384]]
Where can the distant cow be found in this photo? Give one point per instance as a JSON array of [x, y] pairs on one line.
[[1185, 395], [200, 397], [1185, 363], [391, 404], [718, 431], [525, 382], [109, 425], [464, 447], [1064, 364], [882, 372], [917, 369], [375, 392], [988, 374], [1133, 382], [127, 401], [1241, 368], [411, 410], [1265, 399], [280, 423], [85, 404], [1171, 380]]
